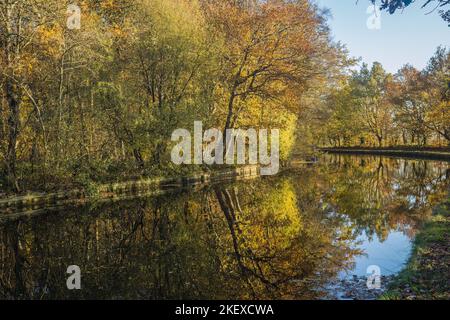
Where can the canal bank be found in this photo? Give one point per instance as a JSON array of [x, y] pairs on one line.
[[426, 274], [33, 202], [415, 153]]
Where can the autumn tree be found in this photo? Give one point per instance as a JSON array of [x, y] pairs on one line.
[[370, 91], [437, 93], [271, 50], [160, 79], [19, 25]]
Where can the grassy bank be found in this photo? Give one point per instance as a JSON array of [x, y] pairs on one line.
[[426, 274]]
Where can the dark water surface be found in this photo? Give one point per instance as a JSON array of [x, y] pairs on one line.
[[282, 237]]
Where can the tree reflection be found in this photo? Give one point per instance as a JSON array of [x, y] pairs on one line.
[[380, 195], [280, 237]]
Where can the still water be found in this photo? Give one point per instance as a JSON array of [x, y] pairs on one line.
[[283, 237]]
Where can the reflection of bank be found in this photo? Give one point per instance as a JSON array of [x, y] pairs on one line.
[[440, 155]]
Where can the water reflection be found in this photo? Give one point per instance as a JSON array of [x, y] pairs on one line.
[[282, 237]]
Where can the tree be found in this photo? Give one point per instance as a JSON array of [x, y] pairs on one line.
[[19, 22], [344, 123], [162, 77], [271, 51], [437, 93], [370, 90]]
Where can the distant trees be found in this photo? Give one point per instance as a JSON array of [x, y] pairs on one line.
[[409, 108], [370, 89], [437, 93], [344, 122]]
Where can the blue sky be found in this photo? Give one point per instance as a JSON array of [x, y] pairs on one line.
[[410, 36]]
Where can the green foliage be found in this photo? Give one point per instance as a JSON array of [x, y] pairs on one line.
[[89, 187]]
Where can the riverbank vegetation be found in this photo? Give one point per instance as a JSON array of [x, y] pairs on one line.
[[99, 103], [426, 274], [373, 108]]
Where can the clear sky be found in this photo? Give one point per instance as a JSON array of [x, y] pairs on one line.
[[410, 36]]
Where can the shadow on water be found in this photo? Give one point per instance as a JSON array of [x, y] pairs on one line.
[[281, 237]]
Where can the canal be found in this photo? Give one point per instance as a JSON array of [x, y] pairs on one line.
[[282, 237]]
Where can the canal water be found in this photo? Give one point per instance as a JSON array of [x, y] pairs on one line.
[[283, 237]]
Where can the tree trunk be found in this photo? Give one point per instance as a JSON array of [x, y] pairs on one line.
[[380, 141], [13, 128]]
